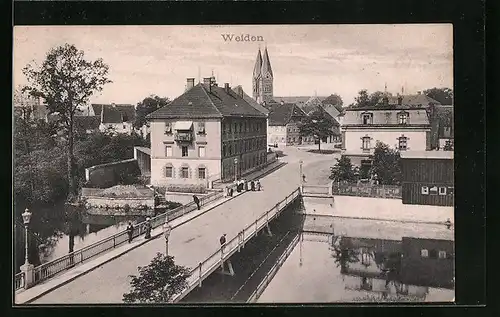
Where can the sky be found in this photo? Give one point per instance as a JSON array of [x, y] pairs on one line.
[[305, 59]]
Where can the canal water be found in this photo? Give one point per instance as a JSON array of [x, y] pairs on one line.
[[313, 273]]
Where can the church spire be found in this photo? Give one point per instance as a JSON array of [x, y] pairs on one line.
[[266, 64], [258, 66]]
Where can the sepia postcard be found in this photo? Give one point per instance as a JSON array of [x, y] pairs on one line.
[[233, 164]]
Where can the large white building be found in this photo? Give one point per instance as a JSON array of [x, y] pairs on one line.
[[402, 122]]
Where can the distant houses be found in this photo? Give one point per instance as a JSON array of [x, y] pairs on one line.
[[117, 118]]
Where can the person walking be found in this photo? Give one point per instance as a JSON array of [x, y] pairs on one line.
[[257, 185], [222, 241], [304, 178], [130, 231], [148, 228], [196, 201], [252, 185], [448, 223]]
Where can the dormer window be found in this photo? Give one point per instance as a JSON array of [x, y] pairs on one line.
[[403, 117], [367, 118], [168, 127], [201, 127]]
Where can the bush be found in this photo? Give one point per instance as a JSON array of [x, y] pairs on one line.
[[187, 188]]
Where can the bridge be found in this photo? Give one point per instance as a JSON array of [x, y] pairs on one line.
[[193, 243]]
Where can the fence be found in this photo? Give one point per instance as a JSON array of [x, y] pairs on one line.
[[19, 281], [50, 269], [217, 259], [272, 272], [379, 191]]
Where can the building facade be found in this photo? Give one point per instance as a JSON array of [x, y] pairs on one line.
[[401, 126], [427, 178], [284, 120], [207, 133]]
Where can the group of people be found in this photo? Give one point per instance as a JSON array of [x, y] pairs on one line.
[[243, 185]]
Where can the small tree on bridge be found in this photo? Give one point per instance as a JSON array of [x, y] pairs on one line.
[[158, 282]]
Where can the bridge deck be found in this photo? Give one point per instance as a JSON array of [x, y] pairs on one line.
[[190, 244]]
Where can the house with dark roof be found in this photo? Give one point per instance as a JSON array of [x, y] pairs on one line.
[[118, 118], [205, 134], [284, 120], [402, 122], [87, 124]]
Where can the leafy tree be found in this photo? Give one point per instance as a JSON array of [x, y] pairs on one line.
[[342, 170], [335, 100], [66, 81], [443, 95], [146, 106], [364, 99], [316, 125], [158, 282], [386, 165]]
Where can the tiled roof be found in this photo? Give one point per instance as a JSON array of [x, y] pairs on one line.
[[87, 122], [202, 101], [97, 109], [126, 110], [282, 114], [299, 100], [111, 115], [239, 90], [413, 100], [327, 114]]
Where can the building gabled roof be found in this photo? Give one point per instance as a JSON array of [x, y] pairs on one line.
[[283, 113], [239, 90], [203, 101], [258, 66], [111, 114], [413, 100], [126, 110]]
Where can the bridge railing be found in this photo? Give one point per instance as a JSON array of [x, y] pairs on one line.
[[367, 190], [272, 272], [216, 259], [19, 281], [70, 260], [316, 189]]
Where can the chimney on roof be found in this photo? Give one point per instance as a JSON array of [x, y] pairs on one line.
[[207, 81], [189, 83], [226, 87]]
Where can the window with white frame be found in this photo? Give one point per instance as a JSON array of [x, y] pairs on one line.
[[433, 190], [425, 190], [201, 151], [168, 151], [202, 174], [367, 118], [442, 191], [201, 127], [168, 127], [424, 253], [185, 172], [402, 143], [403, 117], [366, 140], [442, 254], [169, 171]]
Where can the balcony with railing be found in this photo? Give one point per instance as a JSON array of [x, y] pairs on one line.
[[184, 137]]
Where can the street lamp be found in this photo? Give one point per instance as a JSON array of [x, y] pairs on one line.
[[235, 169], [26, 220], [166, 231], [300, 170]]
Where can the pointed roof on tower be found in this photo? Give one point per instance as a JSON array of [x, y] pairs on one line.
[[266, 64], [258, 66]]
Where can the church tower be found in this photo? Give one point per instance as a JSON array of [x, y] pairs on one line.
[[256, 77], [263, 78]]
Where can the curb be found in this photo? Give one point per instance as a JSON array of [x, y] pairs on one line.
[[120, 254]]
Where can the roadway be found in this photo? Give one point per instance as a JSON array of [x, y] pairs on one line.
[[189, 244]]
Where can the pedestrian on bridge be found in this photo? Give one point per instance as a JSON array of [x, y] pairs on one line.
[[196, 201], [257, 185], [148, 228], [130, 231], [252, 185], [222, 241]]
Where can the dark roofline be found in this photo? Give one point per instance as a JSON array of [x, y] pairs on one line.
[[385, 108]]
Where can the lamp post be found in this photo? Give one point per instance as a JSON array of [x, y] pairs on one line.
[[300, 247], [235, 169], [166, 231], [26, 220], [300, 171]]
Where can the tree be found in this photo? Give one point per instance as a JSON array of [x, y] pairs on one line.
[[364, 99], [386, 165], [158, 282], [342, 170], [66, 81], [335, 100], [146, 106], [443, 95], [316, 125]]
